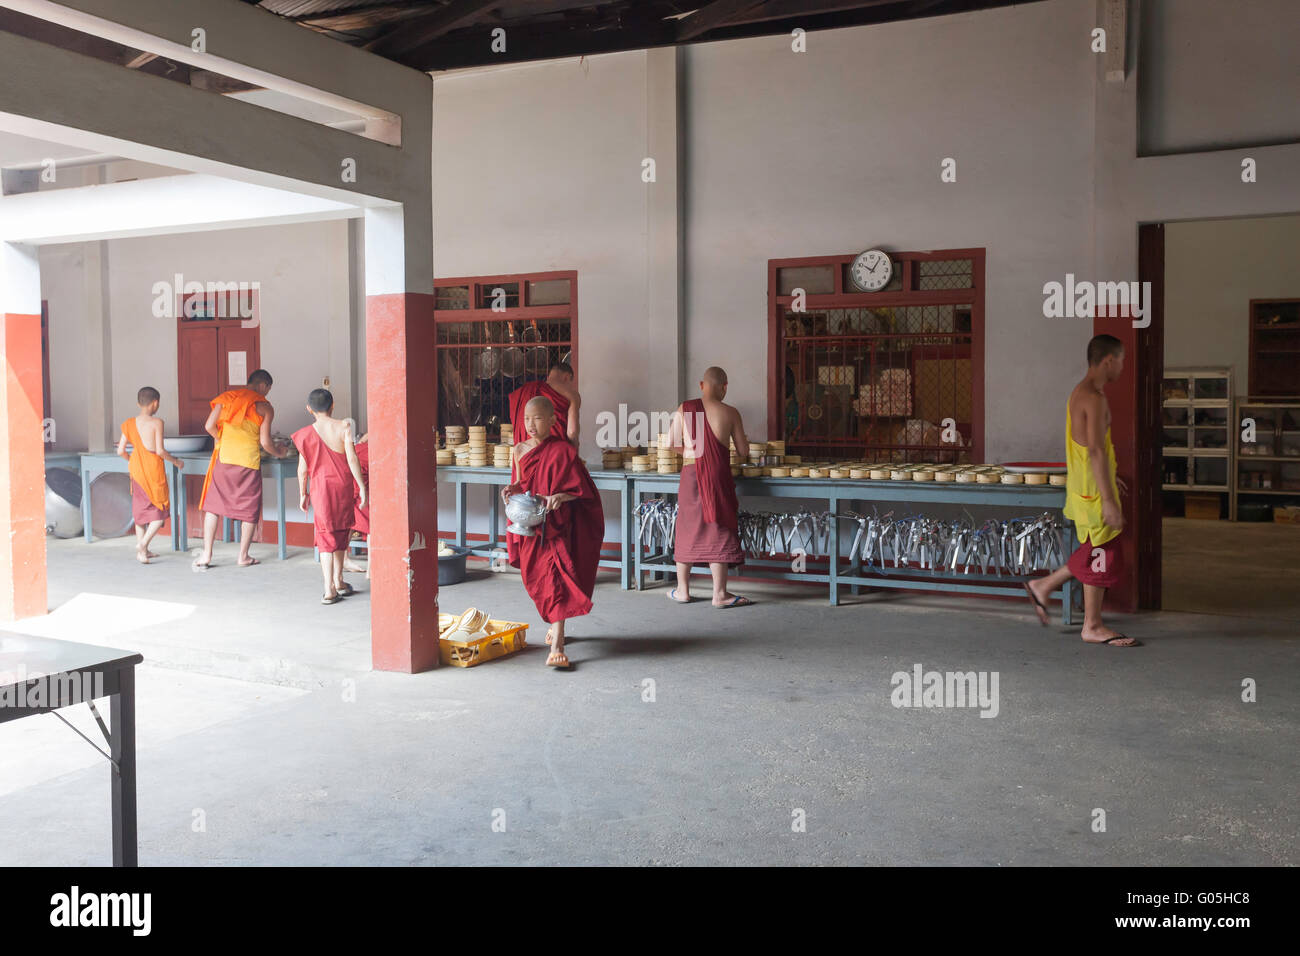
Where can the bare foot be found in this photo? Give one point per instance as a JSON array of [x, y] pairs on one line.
[[557, 659], [150, 554], [550, 634], [249, 563], [143, 556], [353, 567], [1104, 635]]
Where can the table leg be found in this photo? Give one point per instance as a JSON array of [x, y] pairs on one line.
[[1067, 589], [460, 513], [85, 505], [835, 552], [122, 748], [281, 523], [494, 514], [225, 530], [172, 474], [626, 532], [637, 577]]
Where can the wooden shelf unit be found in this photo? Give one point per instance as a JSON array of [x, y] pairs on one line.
[[1197, 432], [1274, 348], [1274, 457]]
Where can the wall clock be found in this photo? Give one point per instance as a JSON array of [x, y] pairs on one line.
[[871, 270]]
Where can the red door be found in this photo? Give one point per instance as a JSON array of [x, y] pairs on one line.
[[213, 355]]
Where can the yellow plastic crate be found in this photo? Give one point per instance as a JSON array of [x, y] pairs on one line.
[[510, 637]]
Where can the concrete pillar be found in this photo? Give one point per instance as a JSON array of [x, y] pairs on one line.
[[401, 407], [665, 223], [98, 338], [22, 453]]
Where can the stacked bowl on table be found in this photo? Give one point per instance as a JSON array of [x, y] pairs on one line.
[[667, 461]]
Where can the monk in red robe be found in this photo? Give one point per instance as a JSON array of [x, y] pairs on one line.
[[559, 560], [330, 475], [240, 426], [562, 392], [149, 496], [708, 523]]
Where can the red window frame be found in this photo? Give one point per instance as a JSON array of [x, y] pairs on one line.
[[520, 313], [907, 296]]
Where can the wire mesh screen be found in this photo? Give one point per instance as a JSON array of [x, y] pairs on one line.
[[890, 384], [480, 363]]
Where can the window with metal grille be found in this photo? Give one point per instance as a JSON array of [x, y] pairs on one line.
[[893, 375], [494, 333]]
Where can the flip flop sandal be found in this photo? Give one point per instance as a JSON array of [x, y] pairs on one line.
[[738, 600], [198, 566], [1118, 637], [672, 596], [331, 600], [251, 562], [347, 590], [1044, 617], [558, 659]]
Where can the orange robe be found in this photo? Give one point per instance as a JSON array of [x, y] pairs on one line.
[[233, 485], [149, 496]]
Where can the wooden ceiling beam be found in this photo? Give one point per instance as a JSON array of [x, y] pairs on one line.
[[421, 30], [716, 14]]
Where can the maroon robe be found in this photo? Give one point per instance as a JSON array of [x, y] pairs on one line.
[[363, 513], [331, 486], [524, 394], [559, 560], [708, 523]]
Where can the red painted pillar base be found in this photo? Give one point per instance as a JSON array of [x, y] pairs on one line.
[[401, 408], [22, 470]]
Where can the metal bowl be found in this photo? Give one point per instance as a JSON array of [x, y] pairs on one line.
[[526, 512]]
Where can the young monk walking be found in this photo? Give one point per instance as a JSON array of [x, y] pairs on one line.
[[708, 522], [1092, 490], [559, 560], [240, 425], [149, 497], [328, 473]]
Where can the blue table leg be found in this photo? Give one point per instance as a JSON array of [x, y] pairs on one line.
[[281, 523], [172, 475], [460, 513], [1067, 589], [493, 517], [637, 579], [626, 534], [835, 552], [225, 530], [85, 504]]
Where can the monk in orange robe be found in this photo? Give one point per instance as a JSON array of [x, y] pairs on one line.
[[240, 425], [561, 391], [708, 523], [328, 472], [559, 561], [149, 496]]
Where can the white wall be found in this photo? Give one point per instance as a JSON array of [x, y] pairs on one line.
[[839, 149], [1212, 271], [63, 288], [1217, 75]]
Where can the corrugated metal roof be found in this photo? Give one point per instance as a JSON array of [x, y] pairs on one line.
[[305, 8]]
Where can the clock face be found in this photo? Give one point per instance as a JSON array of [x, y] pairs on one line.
[[871, 270]]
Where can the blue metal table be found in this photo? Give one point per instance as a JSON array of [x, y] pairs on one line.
[[94, 464], [841, 491], [39, 675], [496, 478]]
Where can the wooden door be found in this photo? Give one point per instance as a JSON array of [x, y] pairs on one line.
[[238, 353], [198, 380]]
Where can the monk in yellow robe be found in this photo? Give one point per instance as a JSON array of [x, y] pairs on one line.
[[149, 497], [240, 425]]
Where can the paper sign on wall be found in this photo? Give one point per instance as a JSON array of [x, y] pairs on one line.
[[237, 368]]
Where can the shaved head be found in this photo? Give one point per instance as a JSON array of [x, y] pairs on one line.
[[714, 376], [541, 405]]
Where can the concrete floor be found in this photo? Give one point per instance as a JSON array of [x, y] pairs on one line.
[[757, 713], [1250, 569]]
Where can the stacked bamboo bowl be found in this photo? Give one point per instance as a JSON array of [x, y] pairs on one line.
[[507, 434], [667, 461], [501, 456], [478, 450], [611, 459], [454, 435]]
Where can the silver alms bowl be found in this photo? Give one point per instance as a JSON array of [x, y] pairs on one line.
[[526, 512]]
